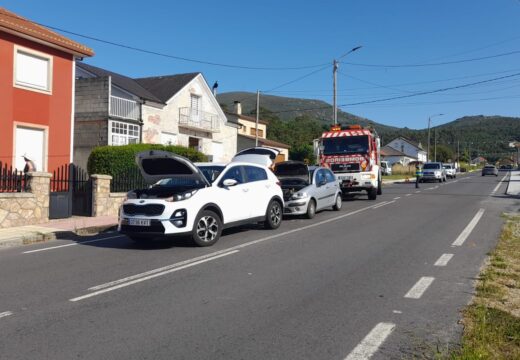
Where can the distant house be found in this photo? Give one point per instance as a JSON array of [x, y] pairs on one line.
[[394, 156], [37, 93], [112, 109], [479, 160], [409, 148], [248, 129]]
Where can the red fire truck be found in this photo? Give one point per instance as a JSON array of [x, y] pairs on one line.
[[352, 153]]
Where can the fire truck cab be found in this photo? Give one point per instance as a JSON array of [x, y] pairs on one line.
[[353, 154]]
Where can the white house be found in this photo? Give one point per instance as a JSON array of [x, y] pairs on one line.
[[192, 116], [394, 156], [409, 148]]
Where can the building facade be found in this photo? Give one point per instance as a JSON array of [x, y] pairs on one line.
[[37, 87]]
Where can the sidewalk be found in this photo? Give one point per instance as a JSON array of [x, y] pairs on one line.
[[23, 235]]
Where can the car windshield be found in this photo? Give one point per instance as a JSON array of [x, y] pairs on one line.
[[180, 182], [345, 145], [431, 166], [447, 166], [211, 172]]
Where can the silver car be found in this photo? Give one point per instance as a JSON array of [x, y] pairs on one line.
[[489, 170], [433, 171], [307, 190]]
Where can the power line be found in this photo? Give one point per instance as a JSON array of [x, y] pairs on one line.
[[434, 64], [170, 56]]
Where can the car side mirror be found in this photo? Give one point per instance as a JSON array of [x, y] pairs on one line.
[[229, 182]]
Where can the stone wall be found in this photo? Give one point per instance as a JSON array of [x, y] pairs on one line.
[[105, 203], [27, 208]]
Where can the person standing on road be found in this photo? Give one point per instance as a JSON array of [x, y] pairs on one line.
[[418, 175]]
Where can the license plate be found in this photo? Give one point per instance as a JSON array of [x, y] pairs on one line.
[[139, 222], [345, 177]]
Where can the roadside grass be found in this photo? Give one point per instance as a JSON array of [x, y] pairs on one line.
[[492, 321]]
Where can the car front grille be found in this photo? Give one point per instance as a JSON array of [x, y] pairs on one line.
[[344, 167], [148, 210], [156, 227]]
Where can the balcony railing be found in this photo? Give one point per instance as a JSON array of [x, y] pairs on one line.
[[124, 108], [198, 119]]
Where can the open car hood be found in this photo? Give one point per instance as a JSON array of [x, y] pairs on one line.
[[257, 155], [156, 165], [292, 169]]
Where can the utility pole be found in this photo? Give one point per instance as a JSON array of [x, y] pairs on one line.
[[435, 144], [335, 65], [428, 148], [257, 115], [334, 101]]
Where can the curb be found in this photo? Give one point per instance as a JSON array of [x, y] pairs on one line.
[[37, 237]]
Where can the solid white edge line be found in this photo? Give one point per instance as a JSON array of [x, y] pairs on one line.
[[73, 244], [6, 313], [383, 204], [371, 343], [468, 229], [397, 198], [443, 260], [149, 277], [498, 185], [419, 288]]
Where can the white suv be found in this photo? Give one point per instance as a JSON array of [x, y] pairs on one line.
[[183, 201]]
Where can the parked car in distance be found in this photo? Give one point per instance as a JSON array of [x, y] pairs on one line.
[[307, 190], [182, 201], [451, 172], [433, 171], [386, 169], [489, 170]]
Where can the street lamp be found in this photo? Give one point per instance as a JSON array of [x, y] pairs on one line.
[[334, 73], [429, 123]]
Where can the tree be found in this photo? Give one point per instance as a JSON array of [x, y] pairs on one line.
[[444, 153], [303, 152]]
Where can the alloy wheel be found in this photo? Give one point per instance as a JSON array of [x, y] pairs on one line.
[[207, 228]]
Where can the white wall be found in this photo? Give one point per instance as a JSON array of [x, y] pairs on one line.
[[157, 121], [408, 149]]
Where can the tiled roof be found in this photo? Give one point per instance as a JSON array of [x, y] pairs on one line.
[[411, 142], [164, 87], [390, 151], [12, 23], [267, 142], [121, 81]]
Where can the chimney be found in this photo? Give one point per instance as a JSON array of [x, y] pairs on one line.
[[238, 108], [215, 86]]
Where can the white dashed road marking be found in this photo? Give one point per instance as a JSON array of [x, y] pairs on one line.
[[469, 228], [408, 195], [397, 198], [371, 343], [443, 260], [498, 185], [5, 313], [419, 288]]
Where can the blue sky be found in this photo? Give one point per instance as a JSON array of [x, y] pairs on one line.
[[288, 34]]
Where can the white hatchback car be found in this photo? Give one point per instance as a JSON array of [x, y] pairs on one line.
[[182, 201]]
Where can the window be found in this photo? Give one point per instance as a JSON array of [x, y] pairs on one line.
[[329, 176], [254, 173], [234, 173], [320, 177], [252, 131], [195, 105], [121, 133], [32, 70]]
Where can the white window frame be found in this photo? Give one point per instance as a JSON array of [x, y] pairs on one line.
[[124, 135], [37, 54]]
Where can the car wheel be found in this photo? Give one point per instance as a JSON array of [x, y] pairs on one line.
[[372, 194], [379, 187], [338, 203], [273, 215], [311, 209], [206, 228]]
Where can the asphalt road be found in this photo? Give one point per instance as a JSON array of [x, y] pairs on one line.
[[385, 278]]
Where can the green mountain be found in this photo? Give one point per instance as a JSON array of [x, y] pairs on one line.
[[297, 121]]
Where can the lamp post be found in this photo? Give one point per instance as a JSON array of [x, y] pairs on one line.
[[429, 124], [335, 65]]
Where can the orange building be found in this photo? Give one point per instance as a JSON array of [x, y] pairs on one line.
[[36, 93]]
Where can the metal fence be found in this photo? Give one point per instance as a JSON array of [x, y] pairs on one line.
[[129, 180], [12, 180]]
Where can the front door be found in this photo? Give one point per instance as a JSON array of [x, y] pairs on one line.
[[235, 200]]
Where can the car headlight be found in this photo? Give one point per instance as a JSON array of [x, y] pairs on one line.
[[180, 197], [367, 176], [299, 196]]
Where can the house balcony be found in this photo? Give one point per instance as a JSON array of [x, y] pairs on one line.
[[198, 120], [124, 108]]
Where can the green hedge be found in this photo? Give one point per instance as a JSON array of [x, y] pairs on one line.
[[112, 160]]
